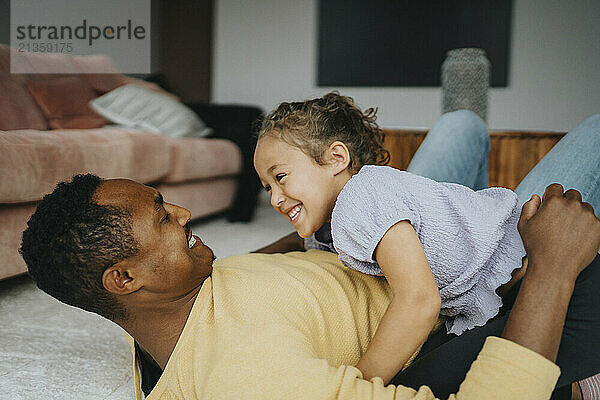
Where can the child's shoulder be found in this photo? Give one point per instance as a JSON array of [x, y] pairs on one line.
[[378, 170], [374, 184], [376, 177]]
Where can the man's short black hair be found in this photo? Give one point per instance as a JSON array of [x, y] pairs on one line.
[[69, 242]]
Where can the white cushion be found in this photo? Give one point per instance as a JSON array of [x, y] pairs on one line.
[[140, 108]]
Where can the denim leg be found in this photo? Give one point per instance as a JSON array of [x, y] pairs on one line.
[[455, 150], [574, 162]]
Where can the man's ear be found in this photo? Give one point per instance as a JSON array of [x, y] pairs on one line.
[[120, 279], [339, 157]]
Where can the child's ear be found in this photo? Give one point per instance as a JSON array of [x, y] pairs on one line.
[[339, 157]]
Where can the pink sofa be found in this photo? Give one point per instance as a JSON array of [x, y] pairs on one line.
[[199, 174]]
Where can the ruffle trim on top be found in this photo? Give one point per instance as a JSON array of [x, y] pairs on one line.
[[481, 303]]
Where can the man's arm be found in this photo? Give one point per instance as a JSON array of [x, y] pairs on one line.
[[291, 242], [561, 237]]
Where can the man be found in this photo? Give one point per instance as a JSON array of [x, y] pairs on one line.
[[285, 325]]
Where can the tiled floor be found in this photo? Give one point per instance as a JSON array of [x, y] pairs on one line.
[[52, 351]]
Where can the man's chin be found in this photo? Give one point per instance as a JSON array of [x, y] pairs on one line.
[[203, 257], [212, 254]]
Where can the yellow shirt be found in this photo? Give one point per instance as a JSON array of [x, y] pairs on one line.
[[291, 326]]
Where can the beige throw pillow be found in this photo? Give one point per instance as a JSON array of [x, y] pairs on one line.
[[147, 110]]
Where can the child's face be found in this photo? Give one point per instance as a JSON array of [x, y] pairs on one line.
[[300, 189]]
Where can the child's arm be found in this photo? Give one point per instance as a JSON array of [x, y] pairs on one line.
[[413, 310]]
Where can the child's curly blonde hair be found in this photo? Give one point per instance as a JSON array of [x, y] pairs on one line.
[[313, 125]]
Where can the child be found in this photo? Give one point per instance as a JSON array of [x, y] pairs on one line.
[[442, 247]]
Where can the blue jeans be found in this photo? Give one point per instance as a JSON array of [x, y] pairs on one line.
[[456, 150]]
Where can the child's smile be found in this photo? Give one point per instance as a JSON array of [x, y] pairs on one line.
[[294, 213], [300, 189]]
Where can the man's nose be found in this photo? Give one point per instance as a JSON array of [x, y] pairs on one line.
[[182, 215]]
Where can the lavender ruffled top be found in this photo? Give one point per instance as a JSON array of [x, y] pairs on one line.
[[470, 237]]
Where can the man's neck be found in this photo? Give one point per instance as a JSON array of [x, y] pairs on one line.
[[157, 329]]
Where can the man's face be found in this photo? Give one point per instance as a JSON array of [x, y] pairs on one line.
[[165, 263]]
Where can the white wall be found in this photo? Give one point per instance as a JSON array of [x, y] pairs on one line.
[[265, 52]]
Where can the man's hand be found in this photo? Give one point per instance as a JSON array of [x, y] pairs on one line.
[[562, 233], [561, 237]]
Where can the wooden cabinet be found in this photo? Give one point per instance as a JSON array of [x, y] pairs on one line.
[[512, 153], [182, 45]]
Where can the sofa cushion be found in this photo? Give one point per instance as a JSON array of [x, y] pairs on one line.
[[64, 102], [89, 67], [111, 78], [18, 110], [32, 162], [137, 107], [44, 65], [193, 159]]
